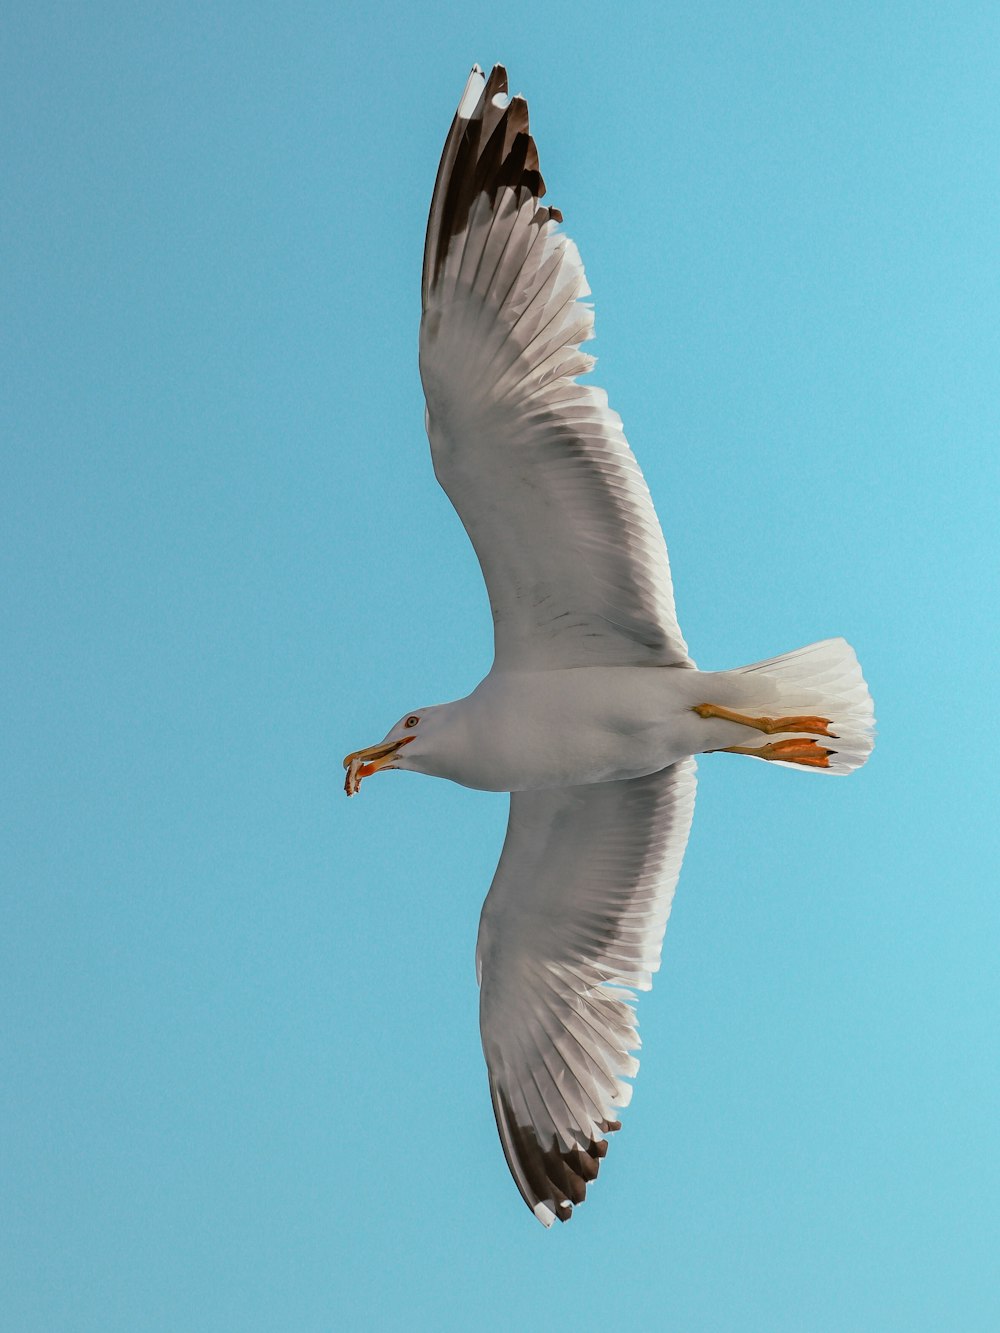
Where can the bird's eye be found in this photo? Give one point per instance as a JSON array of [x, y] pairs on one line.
[[411, 721]]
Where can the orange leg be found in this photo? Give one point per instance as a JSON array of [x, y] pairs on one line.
[[770, 726], [795, 751]]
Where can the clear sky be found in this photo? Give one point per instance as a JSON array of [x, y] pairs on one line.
[[241, 1080]]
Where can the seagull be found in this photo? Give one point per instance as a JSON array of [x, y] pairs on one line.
[[593, 710]]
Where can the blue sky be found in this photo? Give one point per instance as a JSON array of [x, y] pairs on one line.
[[242, 1085]]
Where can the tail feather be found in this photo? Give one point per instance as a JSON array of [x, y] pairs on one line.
[[822, 678]]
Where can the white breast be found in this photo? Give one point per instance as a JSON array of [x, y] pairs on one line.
[[532, 729]]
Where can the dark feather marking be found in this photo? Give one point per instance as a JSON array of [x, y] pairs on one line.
[[555, 1176], [495, 151]]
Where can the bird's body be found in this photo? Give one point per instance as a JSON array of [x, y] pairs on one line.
[[523, 730], [594, 709], [528, 729]]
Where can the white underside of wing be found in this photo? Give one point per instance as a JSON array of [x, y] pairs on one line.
[[572, 925], [535, 463]]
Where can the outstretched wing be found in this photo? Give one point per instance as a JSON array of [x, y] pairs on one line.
[[535, 463], [572, 924]]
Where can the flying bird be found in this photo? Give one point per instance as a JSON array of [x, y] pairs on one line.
[[593, 709]]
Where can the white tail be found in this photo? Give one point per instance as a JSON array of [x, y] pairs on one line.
[[822, 678]]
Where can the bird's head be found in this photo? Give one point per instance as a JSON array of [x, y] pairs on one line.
[[403, 747]]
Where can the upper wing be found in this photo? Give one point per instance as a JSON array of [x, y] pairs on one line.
[[576, 911], [535, 463]]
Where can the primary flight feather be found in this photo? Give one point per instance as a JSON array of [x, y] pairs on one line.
[[593, 710]]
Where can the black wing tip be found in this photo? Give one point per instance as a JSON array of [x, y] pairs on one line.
[[552, 1180], [497, 81], [490, 147]]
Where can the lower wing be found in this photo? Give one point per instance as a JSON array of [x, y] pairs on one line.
[[572, 924]]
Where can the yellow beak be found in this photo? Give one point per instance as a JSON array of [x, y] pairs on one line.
[[363, 763]]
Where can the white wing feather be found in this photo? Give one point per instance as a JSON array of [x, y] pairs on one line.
[[535, 463], [572, 924]]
